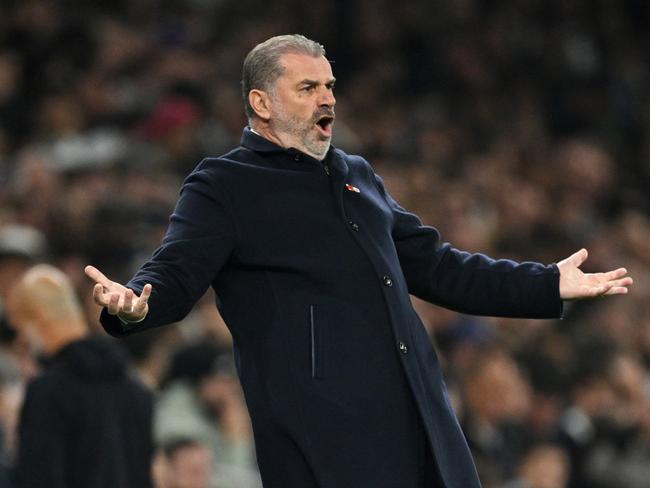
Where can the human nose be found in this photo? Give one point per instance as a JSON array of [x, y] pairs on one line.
[[327, 98]]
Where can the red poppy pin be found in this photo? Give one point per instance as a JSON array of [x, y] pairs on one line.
[[352, 188]]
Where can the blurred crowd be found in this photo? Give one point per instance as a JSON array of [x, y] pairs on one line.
[[518, 128]]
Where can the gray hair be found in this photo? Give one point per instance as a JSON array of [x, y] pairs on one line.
[[262, 65]]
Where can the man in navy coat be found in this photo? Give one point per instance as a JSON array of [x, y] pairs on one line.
[[313, 263]]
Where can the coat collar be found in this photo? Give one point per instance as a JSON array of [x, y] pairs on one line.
[[255, 142], [334, 160]]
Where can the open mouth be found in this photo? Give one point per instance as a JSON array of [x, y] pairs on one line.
[[324, 124]]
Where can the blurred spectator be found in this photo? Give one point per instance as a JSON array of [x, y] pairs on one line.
[[604, 427], [187, 464], [20, 247], [11, 396], [544, 466], [201, 400], [586, 422], [497, 400], [150, 354], [84, 422], [173, 126]]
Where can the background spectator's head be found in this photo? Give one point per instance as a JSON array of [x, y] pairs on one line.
[[44, 309], [187, 464]]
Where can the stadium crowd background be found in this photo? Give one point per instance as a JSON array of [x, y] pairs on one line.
[[518, 128]]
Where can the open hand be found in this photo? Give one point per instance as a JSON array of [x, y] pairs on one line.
[[574, 284], [118, 299]]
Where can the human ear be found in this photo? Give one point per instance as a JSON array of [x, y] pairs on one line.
[[261, 103]]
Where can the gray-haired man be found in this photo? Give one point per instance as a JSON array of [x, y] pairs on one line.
[[313, 263]]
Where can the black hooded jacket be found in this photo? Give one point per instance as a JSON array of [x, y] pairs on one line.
[[85, 423]]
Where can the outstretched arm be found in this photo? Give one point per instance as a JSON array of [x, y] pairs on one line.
[[576, 285], [199, 240], [476, 284]]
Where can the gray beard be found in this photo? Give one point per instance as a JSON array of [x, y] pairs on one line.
[[301, 131]]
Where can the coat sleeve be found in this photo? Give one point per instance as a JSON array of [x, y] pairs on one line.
[[470, 283], [199, 240]]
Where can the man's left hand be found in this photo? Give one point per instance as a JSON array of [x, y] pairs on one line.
[[574, 284]]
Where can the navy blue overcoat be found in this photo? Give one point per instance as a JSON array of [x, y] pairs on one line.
[[313, 263]]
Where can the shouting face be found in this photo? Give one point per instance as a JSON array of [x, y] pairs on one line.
[[299, 108]]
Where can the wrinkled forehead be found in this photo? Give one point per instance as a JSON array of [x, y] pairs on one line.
[[297, 67]]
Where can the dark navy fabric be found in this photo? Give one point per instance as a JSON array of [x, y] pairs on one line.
[[313, 263], [85, 423]]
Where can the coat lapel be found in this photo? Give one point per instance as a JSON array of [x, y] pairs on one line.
[[338, 174]]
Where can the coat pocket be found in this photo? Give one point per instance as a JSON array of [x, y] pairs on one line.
[[338, 338], [323, 352], [312, 330]]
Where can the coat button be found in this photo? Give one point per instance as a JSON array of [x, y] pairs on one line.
[[387, 281], [403, 347], [297, 157], [355, 227]]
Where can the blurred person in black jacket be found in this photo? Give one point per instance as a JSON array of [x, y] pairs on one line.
[[84, 422]]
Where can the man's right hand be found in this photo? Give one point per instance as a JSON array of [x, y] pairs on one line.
[[119, 300]]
